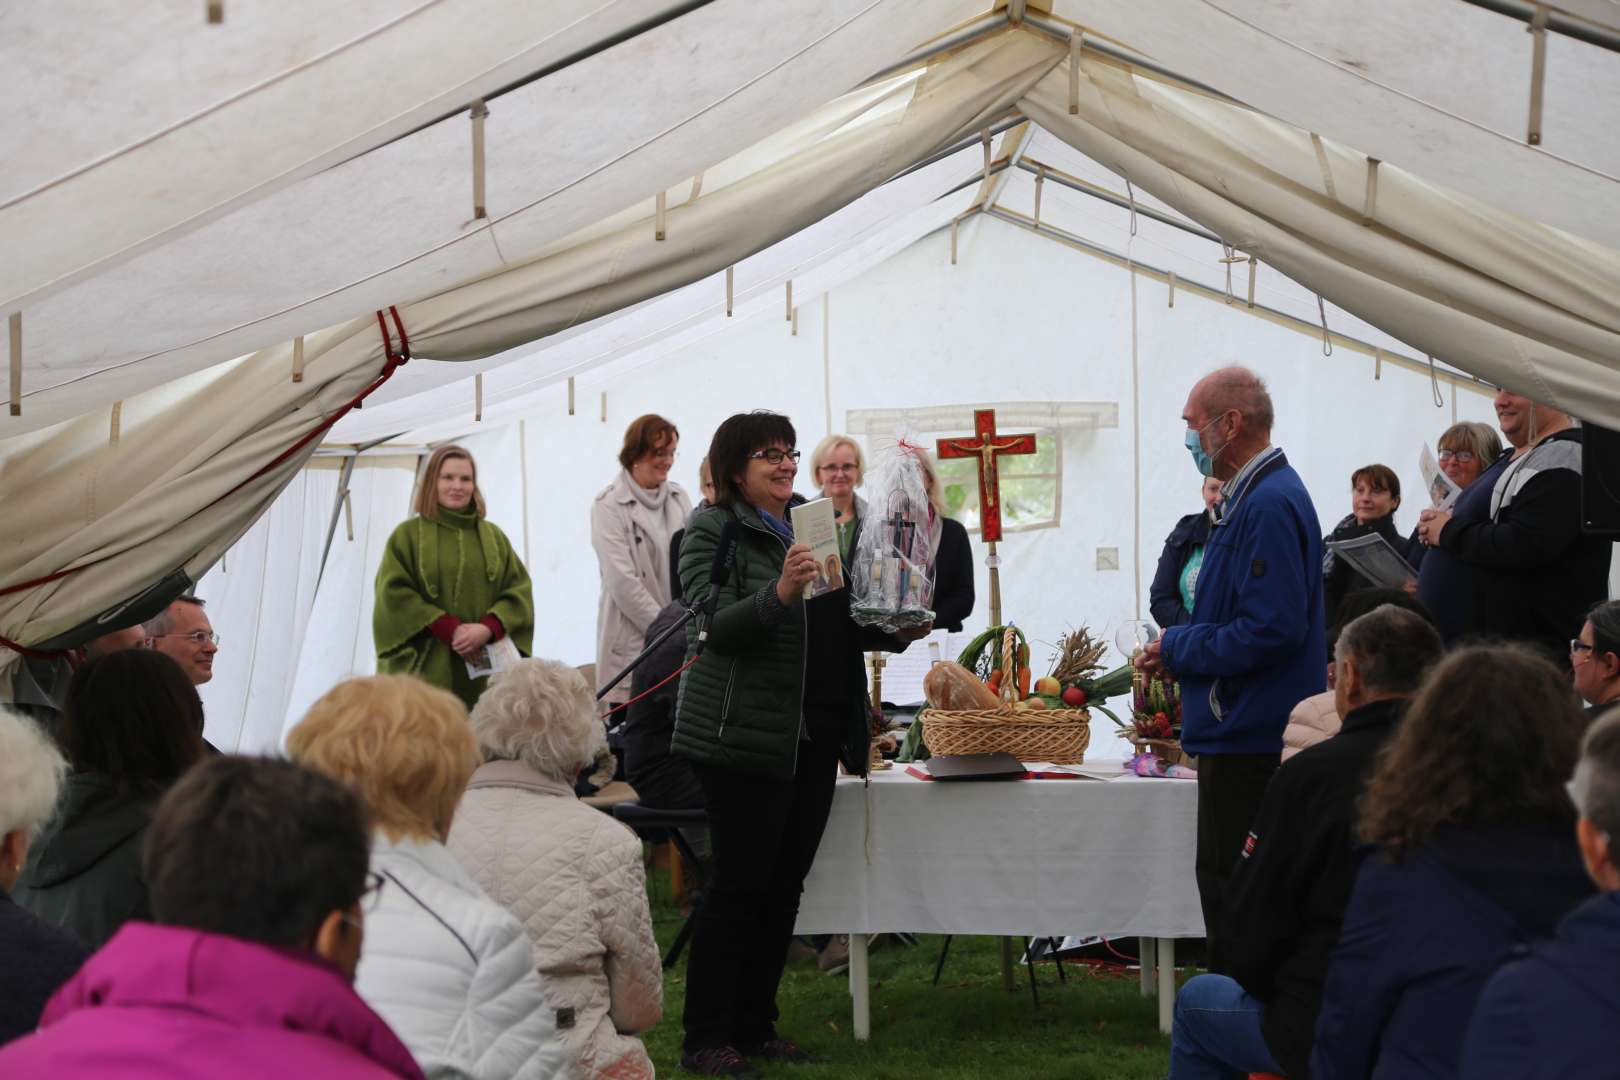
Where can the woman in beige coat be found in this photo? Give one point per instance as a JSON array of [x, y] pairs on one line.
[[571, 874], [632, 522]]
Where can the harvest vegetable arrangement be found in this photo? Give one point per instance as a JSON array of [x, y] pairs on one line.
[[979, 680]]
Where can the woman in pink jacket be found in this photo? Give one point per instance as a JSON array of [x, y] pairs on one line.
[[571, 874], [258, 883]]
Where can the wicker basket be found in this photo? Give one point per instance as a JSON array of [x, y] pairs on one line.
[[1059, 736], [1166, 750]]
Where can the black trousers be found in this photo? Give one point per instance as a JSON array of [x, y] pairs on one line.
[[1230, 787], [764, 834]]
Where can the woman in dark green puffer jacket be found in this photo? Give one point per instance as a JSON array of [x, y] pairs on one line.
[[766, 712]]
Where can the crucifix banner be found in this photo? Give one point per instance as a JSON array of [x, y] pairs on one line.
[[986, 446]]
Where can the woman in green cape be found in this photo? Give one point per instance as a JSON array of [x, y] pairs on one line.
[[449, 584]]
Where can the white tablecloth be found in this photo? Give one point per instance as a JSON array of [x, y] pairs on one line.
[[1036, 857]]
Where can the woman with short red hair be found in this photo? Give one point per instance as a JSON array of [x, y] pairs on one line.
[[632, 522]]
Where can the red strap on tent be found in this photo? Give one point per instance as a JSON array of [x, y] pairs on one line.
[[392, 362]]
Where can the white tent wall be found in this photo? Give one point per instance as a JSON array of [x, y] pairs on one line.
[[914, 331]]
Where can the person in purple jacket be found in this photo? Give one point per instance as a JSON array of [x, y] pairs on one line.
[[257, 871], [1256, 639]]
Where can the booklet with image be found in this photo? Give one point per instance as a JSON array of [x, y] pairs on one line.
[[492, 659], [815, 524], [1375, 560], [1442, 492]]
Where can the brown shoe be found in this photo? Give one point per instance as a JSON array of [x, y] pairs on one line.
[[834, 956]]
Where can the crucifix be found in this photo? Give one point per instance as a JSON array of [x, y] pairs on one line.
[[987, 445]]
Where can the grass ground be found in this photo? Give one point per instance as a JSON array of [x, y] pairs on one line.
[[1097, 1025]]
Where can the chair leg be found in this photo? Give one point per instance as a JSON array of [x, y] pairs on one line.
[[1054, 944], [680, 941], [1029, 962], [943, 952]]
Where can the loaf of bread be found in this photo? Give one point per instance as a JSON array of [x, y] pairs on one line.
[[951, 686]]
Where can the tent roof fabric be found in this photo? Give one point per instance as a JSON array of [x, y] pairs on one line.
[[1458, 240]]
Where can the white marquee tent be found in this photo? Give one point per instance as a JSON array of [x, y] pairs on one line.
[[866, 213]]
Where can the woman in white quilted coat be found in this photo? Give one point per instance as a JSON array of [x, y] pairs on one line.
[[571, 873], [446, 966]]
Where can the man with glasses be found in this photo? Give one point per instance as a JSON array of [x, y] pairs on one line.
[[1554, 1011], [183, 633], [1595, 657], [258, 875]]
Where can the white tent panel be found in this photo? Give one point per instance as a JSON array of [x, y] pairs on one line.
[[1441, 89], [397, 224], [127, 125]]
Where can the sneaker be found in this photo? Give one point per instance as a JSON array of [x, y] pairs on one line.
[[834, 956], [718, 1061], [780, 1050]]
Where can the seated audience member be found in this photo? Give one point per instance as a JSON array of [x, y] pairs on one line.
[[1552, 1014], [183, 633], [1595, 656], [1375, 496], [1289, 888], [257, 870], [570, 873], [660, 778], [131, 724], [1474, 859], [1520, 566], [39, 957], [1317, 717], [1170, 597], [446, 966]]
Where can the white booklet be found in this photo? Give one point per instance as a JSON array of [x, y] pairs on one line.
[[1442, 492], [815, 524], [1372, 557], [492, 659]]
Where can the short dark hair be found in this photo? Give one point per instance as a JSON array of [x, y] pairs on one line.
[[1357, 603], [1379, 478], [134, 716], [1605, 620], [645, 435], [736, 438], [1490, 738], [163, 622], [257, 848], [1393, 648]]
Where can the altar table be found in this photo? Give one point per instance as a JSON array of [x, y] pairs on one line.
[[1009, 858]]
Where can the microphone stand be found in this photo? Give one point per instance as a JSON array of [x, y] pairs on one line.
[[692, 612]]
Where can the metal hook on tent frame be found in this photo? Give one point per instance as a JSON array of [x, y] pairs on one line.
[[1130, 193], [1434, 385], [1327, 335], [479, 113], [16, 363], [1040, 182], [1228, 257], [1538, 72]]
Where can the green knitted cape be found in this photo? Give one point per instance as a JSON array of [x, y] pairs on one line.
[[456, 564]]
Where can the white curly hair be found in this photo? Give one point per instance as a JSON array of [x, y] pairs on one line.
[[542, 713], [31, 771]]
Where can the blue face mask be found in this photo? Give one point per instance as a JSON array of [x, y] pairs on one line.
[[1206, 464]]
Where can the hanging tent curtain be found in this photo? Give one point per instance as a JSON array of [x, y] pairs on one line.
[[1502, 297], [93, 522]]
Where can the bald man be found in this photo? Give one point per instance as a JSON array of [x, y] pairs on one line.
[[1254, 645]]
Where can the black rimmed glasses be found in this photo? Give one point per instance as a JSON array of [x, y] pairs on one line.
[[775, 454], [1577, 646], [1461, 457], [371, 895]]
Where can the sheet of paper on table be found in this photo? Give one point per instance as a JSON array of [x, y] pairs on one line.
[[1099, 770], [903, 672]]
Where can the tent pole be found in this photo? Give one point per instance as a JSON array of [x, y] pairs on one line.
[[1057, 176], [342, 497]]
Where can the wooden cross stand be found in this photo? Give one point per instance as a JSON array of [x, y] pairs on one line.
[[987, 445]]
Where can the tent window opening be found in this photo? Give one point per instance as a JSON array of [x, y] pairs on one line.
[[1030, 485]]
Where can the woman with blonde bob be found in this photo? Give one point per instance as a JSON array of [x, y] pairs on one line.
[[570, 873], [450, 583], [446, 966]]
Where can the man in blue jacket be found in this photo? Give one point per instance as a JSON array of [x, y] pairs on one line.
[[1254, 647], [1554, 1012]]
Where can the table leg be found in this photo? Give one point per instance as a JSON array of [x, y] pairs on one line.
[[1006, 963], [1167, 983], [1144, 950], [860, 986]]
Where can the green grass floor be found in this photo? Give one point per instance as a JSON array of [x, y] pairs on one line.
[[1097, 1025]]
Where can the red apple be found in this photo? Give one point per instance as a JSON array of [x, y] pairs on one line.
[[1074, 697]]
